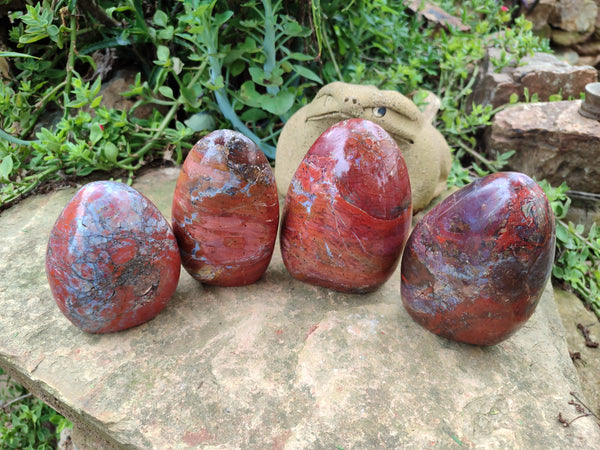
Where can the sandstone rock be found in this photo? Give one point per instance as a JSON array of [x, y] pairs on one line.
[[569, 56], [278, 364], [573, 312], [569, 38], [542, 74], [552, 141], [574, 15], [540, 14], [436, 15]]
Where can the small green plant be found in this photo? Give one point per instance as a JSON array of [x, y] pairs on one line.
[[577, 262], [365, 45], [26, 422], [194, 70]]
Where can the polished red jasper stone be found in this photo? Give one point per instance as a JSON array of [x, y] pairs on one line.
[[112, 260], [475, 267], [225, 210], [348, 209]]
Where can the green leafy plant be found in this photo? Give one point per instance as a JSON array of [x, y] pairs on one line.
[[194, 71], [26, 422], [204, 64], [577, 262], [366, 45]]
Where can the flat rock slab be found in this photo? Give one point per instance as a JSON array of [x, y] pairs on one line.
[[278, 364]]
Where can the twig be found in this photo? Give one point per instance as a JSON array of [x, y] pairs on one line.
[[477, 155], [574, 395], [585, 240], [586, 335], [15, 400], [168, 117], [70, 63], [576, 356], [581, 408], [14, 140], [566, 422]]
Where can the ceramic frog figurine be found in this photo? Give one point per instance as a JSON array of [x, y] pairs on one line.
[[425, 151]]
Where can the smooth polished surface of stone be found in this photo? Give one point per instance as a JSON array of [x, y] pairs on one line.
[[225, 210], [112, 260], [348, 209], [475, 266], [424, 149], [277, 364]]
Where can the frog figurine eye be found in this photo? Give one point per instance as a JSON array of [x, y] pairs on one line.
[[379, 111]]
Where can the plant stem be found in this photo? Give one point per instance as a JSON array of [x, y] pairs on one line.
[[15, 400], [14, 140], [269, 44], [168, 117], [209, 37], [70, 64], [332, 56], [477, 155], [579, 236]]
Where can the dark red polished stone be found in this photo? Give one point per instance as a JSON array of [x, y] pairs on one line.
[[112, 260], [226, 210], [348, 209], [475, 267]]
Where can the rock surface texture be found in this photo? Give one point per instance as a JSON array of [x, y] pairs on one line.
[[565, 22], [348, 211], [541, 74], [112, 260], [552, 142], [277, 364], [475, 266], [225, 210], [586, 358], [425, 151]]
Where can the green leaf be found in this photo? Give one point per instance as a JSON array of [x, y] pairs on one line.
[[201, 122], [53, 32], [177, 65], [307, 73], [6, 168], [30, 38], [167, 33], [162, 53], [219, 83], [293, 28], [96, 102], [166, 91], [253, 115], [95, 89], [300, 56], [42, 434], [237, 67], [16, 55], [259, 76], [96, 133], [192, 95], [111, 152], [277, 104], [160, 18], [220, 19]]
